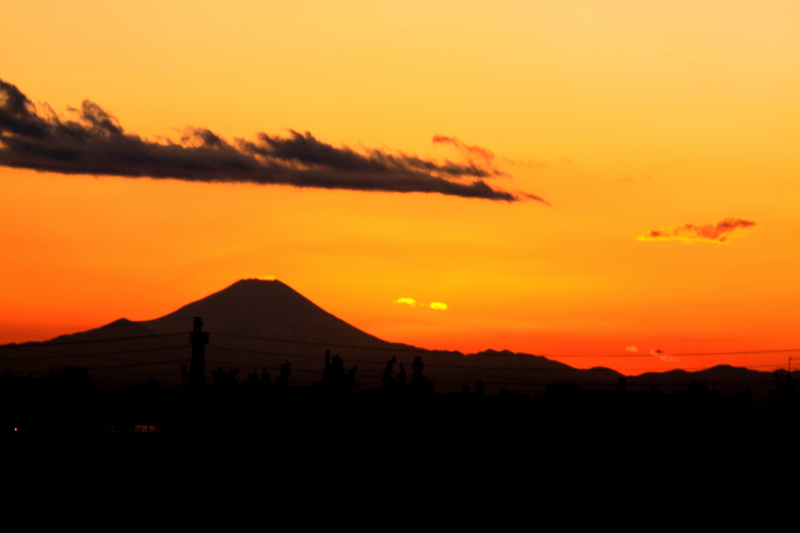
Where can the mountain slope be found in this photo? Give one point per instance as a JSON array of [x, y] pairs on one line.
[[118, 329], [269, 309]]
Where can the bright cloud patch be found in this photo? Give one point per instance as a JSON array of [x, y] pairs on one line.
[[718, 232], [413, 303], [632, 349]]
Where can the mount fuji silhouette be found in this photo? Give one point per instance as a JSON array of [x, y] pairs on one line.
[[269, 309], [256, 325]]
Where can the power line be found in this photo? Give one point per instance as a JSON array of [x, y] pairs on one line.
[[182, 360], [325, 344], [785, 350], [551, 356], [91, 341], [467, 368], [518, 382], [509, 380], [381, 363], [263, 352], [51, 355], [378, 348]]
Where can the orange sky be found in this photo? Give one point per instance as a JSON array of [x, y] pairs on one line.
[[628, 117]]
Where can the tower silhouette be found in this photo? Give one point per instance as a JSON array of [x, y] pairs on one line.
[[199, 339]]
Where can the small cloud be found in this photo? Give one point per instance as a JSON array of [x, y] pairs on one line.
[[632, 349], [718, 232], [662, 356], [439, 306]]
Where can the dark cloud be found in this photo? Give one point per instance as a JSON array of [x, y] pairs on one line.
[[94, 142], [718, 232]]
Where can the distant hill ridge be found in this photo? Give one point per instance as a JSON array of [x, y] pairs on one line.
[[261, 323]]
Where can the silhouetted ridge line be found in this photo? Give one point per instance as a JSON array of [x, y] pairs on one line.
[[516, 381], [692, 369], [378, 374], [324, 344], [450, 366], [496, 379], [662, 384], [740, 353], [381, 363], [498, 353]]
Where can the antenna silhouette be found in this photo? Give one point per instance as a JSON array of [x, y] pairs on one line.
[[199, 339]]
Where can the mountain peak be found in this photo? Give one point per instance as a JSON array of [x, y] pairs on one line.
[[254, 284], [267, 308], [269, 279]]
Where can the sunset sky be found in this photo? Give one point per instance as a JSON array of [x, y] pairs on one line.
[[626, 172]]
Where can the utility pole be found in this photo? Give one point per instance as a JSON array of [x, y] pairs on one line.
[[199, 339]]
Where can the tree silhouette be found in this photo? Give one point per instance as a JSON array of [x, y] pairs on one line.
[[350, 379], [282, 380], [418, 381], [334, 376], [225, 379], [388, 379]]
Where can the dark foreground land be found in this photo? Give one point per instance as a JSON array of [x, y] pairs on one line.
[[330, 436], [67, 403]]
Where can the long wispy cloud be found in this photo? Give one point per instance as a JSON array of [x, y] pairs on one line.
[[94, 142], [472, 152], [719, 232], [484, 158]]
